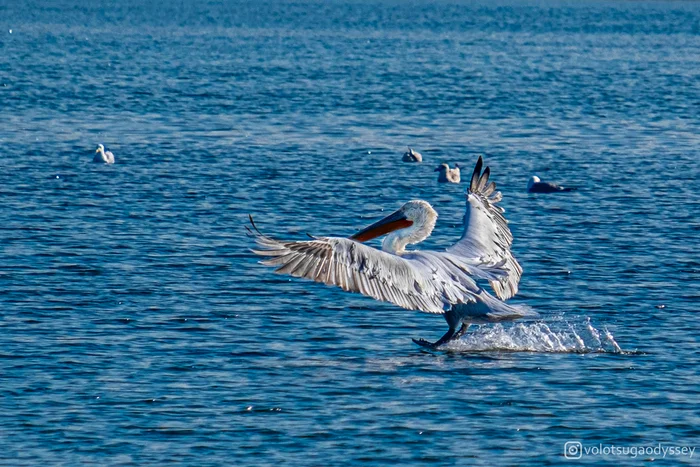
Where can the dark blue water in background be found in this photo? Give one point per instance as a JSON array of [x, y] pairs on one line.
[[136, 327]]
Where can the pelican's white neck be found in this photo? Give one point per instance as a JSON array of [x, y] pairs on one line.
[[423, 216]]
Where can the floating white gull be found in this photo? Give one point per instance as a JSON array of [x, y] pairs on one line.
[[412, 156], [535, 185], [102, 156], [430, 281], [448, 175]]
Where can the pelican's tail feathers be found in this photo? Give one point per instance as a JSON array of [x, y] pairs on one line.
[[502, 311]]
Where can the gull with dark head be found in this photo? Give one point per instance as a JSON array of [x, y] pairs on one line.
[[105, 157], [448, 175], [439, 282], [535, 185]]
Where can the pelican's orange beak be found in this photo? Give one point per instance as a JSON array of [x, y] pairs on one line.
[[390, 223]]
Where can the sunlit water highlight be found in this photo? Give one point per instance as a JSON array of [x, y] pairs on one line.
[[557, 336]]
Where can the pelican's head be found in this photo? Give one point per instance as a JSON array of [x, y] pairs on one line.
[[534, 179], [412, 223], [100, 148], [442, 168]]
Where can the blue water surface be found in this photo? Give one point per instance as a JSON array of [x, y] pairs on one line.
[[136, 328]]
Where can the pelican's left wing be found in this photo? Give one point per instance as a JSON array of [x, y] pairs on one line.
[[486, 240], [355, 267]]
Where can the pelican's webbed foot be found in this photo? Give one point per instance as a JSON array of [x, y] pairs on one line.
[[449, 336], [425, 343]]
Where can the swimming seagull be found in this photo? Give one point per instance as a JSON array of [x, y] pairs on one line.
[[448, 175], [102, 156], [535, 185], [412, 156], [440, 282]]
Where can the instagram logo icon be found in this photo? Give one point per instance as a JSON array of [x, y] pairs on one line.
[[573, 450]]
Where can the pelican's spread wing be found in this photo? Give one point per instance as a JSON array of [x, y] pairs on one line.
[[416, 282], [487, 238]]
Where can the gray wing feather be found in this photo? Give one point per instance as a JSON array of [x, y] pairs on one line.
[[487, 240], [425, 281]]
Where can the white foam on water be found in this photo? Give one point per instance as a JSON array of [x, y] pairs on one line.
[[559, 336]]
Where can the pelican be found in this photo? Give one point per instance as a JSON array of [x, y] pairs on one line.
[[440, 282], [448, 175], [535, 185], [102, 156], [412, 156]]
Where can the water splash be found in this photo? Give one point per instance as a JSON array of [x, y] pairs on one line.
[[560, 336]]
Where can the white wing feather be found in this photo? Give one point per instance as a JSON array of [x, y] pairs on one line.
[[487, 239], [429, 282]]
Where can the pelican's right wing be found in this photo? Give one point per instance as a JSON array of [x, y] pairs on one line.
[[355, 267], [487, 239]]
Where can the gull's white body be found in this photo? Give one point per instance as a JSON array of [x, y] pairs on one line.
[[441, 282], [102, 156], [448, 175]]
